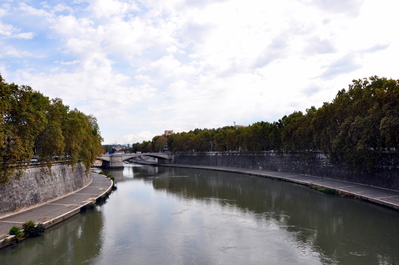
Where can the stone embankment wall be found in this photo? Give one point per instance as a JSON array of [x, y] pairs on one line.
[[39, 184], [385, 174]]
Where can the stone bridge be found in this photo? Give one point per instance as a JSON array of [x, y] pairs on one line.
[[116, 160]]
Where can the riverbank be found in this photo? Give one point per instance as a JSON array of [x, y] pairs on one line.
[[56, 211], [381, 196], [385, 173]]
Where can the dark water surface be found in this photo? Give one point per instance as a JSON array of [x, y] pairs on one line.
[[185, 216]]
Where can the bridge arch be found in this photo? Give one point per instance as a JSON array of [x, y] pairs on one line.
[[116, 160]]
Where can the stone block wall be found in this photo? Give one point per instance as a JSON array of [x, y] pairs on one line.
[[39, 184], [385, 174]]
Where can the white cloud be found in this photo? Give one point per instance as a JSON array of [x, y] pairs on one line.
[[3, 12], [6, 29], [139, 137], [9, 51], [70, 63], [146, 66], [13, 32], [27, 35], [33, 11], [346, 64], [108, 8], [62, 8], [348, 7]]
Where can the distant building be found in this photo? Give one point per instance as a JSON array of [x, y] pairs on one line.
[[98, 163], [119, 147], [167, 132], [238, 126]]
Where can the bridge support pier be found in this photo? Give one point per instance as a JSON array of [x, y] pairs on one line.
[[116, 161]]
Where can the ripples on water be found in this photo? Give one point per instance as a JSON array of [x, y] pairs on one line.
[[184, 216]]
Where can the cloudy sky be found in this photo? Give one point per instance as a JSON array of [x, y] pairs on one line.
[[144, 66]]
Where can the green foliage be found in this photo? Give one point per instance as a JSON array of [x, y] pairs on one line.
[[16, 231], [355, 128], [28, 225], [31, 229], [159, 143], [109, 175], [324, 189], [32, 125], [22, 117], [144, 147], [38, 230], [359, 120], [49, 143]]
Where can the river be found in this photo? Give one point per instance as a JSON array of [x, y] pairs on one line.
[[161, 215]]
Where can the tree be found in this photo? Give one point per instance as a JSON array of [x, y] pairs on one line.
[[31, 124], [23, 117], [50, 143], [160, 143], [82, 138], [220, 140], [359, 123]]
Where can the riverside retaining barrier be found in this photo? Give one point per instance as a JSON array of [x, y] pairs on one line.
[[384, 175], [40, 184], [56, 211]]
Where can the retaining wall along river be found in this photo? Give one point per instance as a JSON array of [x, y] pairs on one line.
[[385, 174], [39, 184]]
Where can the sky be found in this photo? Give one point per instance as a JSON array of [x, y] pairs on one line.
[[145, 66]]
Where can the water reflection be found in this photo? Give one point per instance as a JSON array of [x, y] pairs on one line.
[[185, 216], [133, 171], [344, 231], [65, 243], [341, 231]]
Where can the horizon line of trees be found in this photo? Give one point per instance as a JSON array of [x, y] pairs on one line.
[[32, 125], [358, 125]]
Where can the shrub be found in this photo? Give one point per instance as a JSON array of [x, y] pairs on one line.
[[39, 230], [111, 176], [28, 227], [324, 189], [31, 229], [16, 231]]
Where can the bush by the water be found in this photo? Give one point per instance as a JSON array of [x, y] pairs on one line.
[[16, 231], [31, 229]]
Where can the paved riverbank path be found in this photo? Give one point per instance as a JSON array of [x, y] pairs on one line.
[[60, 209], [385, 197]]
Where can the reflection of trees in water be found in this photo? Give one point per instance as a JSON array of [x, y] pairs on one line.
[[70, 242], [343, 230]]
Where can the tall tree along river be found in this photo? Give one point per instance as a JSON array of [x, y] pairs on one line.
[[162, 215]]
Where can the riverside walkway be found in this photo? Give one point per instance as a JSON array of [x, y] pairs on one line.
[[381, 196], [56, 211]]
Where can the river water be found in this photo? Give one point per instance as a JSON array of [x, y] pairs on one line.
[[163, 215]]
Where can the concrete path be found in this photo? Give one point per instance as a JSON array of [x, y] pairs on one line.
[[385, 197], [58, 210]]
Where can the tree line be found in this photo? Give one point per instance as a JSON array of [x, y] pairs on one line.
[[358, 125], [32, 125]]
